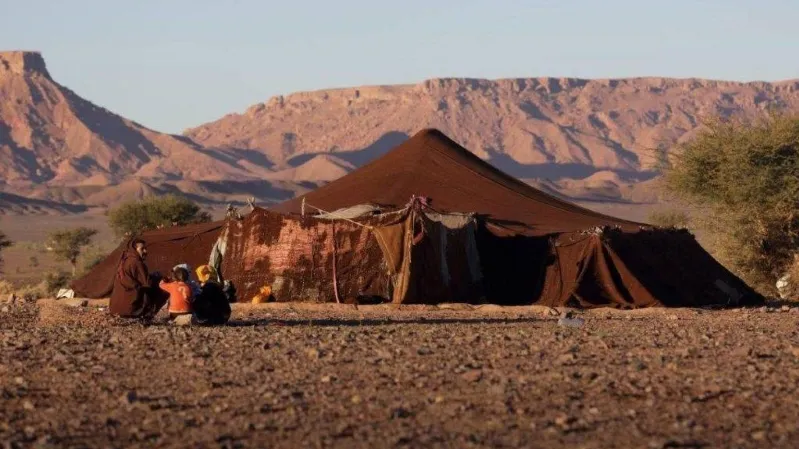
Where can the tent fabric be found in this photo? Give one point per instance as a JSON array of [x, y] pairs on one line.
[[535, 248], [166, 248], [401, 256], [432, 165]]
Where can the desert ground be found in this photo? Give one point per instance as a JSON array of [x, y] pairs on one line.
[[297, 375]]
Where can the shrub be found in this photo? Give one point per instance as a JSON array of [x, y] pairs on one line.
[[748, 176], [68, 244], [150, 213], [4, 243]]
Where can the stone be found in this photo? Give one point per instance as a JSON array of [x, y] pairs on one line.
[[472, 375], [182, 320], [130, 397]]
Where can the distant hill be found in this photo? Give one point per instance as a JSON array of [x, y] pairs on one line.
[[592, 140]]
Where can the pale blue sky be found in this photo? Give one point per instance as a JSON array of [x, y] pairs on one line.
[[173, 64]]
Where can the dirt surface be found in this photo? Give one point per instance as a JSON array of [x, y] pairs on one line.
[[377, 377]]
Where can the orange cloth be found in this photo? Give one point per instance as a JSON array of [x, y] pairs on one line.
[[179, 296]]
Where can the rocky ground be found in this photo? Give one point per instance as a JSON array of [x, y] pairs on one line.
[[377, 377]]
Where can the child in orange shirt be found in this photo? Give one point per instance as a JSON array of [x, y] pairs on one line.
[[180, 294]]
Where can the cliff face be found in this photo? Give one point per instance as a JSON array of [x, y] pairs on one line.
[[58, 147], [593, 139]]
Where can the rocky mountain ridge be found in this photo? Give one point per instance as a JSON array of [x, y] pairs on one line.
[[586, 139]]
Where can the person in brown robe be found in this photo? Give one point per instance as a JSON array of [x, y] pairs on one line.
[[136, 293]]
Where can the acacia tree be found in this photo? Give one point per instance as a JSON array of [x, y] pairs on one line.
[[4, 243], [153, 212], [68, 244], [747, 176]]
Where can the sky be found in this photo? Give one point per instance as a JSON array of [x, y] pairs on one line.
[[176, 64]]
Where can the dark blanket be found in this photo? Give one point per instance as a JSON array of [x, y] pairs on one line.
[[211, 306]]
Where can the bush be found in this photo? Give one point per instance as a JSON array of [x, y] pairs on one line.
[[4, 243], [135, 217], [68, 244], [55, 281], [669, 219], [748, 176]]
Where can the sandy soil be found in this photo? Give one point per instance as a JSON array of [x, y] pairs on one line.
[[378, 377]]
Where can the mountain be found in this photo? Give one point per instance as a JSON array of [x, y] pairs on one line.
[[593, 140], [57, 148]]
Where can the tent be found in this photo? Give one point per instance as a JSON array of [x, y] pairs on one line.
[[534, 247], [166, 248], [408, 255]]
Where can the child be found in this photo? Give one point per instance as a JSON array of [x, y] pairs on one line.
[[211, 306], [180, 294]]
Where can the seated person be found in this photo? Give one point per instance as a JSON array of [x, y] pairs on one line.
[[180, 294], [135, 293], [194, 285], [211, 306]]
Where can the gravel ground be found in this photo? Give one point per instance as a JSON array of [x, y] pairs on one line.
[[378, 377]]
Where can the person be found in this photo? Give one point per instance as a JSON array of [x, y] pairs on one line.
[[211, 306], [135, 293], [180, 294], [193, 285]]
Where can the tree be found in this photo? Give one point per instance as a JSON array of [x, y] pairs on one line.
[[4, 243], [68, 244], [747, 175], [134, 217]]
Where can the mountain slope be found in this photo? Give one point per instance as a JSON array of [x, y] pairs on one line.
[[587, 139], [538, 128], [52, 140]]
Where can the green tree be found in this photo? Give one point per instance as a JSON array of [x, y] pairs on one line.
[[747, 175], [134, 217], [4, 243], [68, 244]]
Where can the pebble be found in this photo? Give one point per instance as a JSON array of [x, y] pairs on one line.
[[355, 399], [28, 405], [571, 322], [182, 320], [74, 302], [472, 375], [130, 397], [424, 351]]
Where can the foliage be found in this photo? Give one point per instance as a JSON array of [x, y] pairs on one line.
[[33, 262], [56, 280], [68, 244], [748, 176], [134, 217], [670, 219], [90, 259], [4, 243]]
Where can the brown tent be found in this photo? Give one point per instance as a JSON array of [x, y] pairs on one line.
[[167, 247], [533, 247], [405, 256]]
